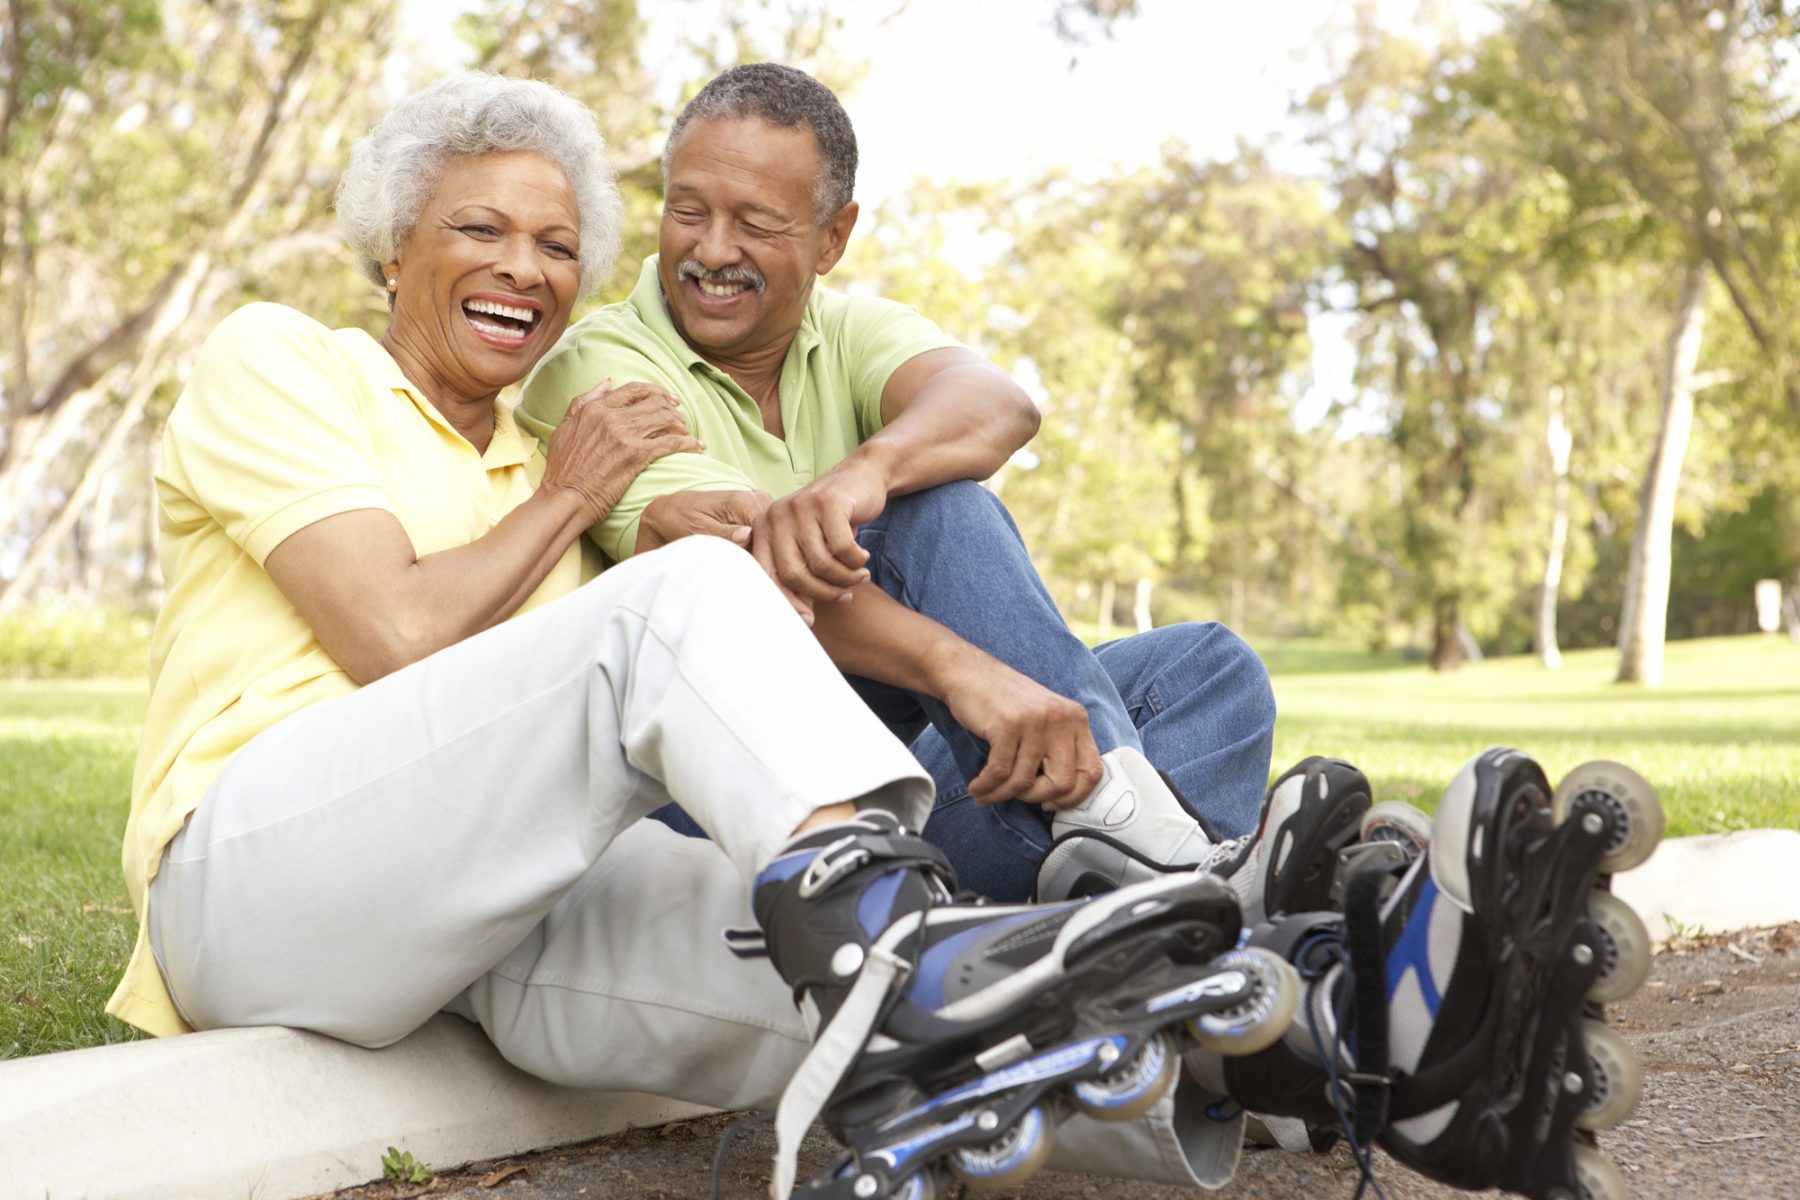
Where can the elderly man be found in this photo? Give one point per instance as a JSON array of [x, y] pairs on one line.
[[869, 425]]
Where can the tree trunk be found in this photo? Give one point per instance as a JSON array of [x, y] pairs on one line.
[[1141, 609], [1548, 652], [1644, 619], [1109, 590], [99, 466], [1446, 633]]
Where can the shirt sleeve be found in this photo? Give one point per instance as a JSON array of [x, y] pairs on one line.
[[270, 435], [578, 364], [877, 336]]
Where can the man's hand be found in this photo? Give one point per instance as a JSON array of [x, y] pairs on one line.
[[1040, 749], [729, 515], [806, 540]]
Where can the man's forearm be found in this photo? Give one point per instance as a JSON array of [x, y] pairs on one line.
[[875, 636], [964, 423]]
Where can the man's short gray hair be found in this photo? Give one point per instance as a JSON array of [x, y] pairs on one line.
[[782, 96], [394, 170]]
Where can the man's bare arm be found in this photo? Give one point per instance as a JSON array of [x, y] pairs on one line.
[[1040, 748], [948, 414]]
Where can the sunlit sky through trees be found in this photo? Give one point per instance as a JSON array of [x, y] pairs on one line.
[[959, 91]]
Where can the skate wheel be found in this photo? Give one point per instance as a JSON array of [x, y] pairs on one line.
[[1624, 949], [1398, 821], [917, 1187], [1258, 1021], [1133, 1089], [1011, 1158], [1637, 814], [920, 1186], [1618, 1077], [1597, 1178]]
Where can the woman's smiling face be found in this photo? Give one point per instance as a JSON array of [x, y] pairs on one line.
[[487, 278]]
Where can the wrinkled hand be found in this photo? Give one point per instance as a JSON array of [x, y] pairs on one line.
[[684, 514], [806, 540], [610, 434], [1040, 749]]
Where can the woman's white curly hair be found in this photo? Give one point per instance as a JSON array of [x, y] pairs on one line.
[[394, 170]]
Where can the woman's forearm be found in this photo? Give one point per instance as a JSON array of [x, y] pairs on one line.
[[376, 605]]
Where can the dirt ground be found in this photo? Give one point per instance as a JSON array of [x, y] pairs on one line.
[[1717, 1027]]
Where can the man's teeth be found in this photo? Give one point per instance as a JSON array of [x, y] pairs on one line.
[[494, 307], [721, 289]]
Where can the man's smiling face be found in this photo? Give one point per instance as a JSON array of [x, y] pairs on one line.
[[740, 243]]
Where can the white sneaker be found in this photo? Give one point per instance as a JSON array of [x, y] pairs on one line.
[[1131, 827], [1135, 825]]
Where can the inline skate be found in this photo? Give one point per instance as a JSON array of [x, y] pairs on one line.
[[1453, 1011], [954, 1035]]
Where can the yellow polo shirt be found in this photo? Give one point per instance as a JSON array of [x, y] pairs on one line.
[[284, 422]]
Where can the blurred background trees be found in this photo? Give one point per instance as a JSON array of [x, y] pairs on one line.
[[1560, 250]]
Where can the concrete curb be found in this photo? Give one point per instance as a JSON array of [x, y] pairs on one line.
[[1717, 883], [274, 1113]]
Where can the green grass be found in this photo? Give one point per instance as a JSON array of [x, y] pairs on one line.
[[66, 926], [1720, 740]]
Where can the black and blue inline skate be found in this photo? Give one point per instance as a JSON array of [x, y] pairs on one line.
[[1453, 1011], [953, 1036]]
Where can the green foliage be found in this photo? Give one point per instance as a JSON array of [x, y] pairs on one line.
[[73, 644], [400, 1165]]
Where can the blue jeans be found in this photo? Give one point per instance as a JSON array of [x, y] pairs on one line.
[[1194, 698]]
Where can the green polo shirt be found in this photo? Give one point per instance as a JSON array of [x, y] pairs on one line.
[[831, 384]]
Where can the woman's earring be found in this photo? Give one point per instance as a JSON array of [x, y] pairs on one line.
[[393, 285]]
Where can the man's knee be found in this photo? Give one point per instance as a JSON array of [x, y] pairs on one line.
[[1202, 659], [960, 505]]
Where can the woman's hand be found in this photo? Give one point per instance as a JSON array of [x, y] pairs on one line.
[[610, 434], [686, 514]]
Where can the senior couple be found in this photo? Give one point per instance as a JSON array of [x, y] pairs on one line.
[[404, 734]]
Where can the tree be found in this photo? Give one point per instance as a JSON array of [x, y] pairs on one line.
[[1677, 118], [1444, 214], [172, 169]]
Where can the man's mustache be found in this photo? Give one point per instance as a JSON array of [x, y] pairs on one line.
[[736, 273]]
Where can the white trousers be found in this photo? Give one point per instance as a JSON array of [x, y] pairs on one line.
[[466, 833]]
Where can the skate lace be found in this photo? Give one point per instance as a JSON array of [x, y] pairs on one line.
[[724, 1150], [1316, 959]]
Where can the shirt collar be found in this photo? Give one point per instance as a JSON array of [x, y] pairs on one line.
[[509, 447]]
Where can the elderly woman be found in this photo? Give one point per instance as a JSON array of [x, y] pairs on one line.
[[396, 751]]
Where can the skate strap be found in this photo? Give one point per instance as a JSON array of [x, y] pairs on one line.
[[832, 1052], [848, 855], [1372, 1081]]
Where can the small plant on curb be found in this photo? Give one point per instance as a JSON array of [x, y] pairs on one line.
[[400, 1165]]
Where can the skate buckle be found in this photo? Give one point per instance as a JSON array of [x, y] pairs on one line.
[[1363, 1079], [830, 866]]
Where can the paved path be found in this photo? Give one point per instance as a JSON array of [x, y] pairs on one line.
[[1718, 1028]]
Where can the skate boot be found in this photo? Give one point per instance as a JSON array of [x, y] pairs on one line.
[[952, 1036], [1453, 1012], [1393, 834], [1135, 826]]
